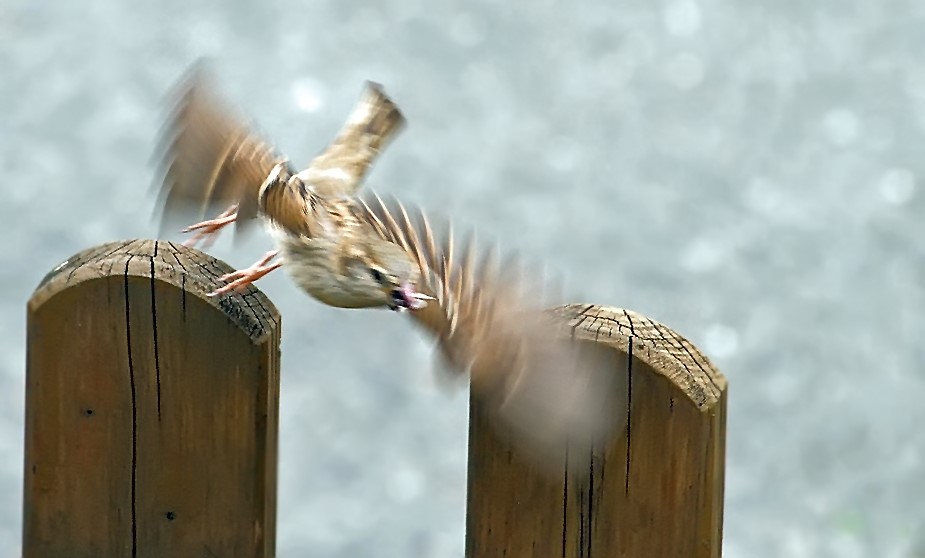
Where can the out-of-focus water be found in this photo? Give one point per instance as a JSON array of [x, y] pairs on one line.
[[749, 173]]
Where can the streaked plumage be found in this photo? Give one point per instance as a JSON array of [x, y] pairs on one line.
[[485, 315], [213, 162], [488, 320]]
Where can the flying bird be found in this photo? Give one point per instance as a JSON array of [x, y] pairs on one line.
[[485, 313]]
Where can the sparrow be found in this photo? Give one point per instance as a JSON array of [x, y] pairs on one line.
[[484, 311], [212, 160]]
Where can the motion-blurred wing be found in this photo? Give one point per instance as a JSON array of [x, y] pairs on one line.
[[489, 320], [340, 168], [210, 160]]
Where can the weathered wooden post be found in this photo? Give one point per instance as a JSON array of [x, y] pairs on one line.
[[656, 490], [151, 409]]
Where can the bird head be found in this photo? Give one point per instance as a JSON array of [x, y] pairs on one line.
[[387, 276]]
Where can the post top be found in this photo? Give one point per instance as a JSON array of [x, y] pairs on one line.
[[653, 343], [195, 272]]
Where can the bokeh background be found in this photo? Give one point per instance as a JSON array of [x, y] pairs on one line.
[[749, 173]]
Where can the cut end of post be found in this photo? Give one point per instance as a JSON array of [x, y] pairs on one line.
[[655, 344], [653, 488], [195, 273]]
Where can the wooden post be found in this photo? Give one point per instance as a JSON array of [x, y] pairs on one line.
[[656, 490], [151, 409]]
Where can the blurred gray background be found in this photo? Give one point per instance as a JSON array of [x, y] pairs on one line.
[[749, 173]]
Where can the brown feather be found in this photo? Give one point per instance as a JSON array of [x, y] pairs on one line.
[[211, 160], [340, 168], [287, 203], [488, 320]]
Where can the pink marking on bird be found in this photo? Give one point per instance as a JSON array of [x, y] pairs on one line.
[[413, 300]]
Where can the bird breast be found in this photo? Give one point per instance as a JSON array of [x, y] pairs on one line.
[[313, 265]]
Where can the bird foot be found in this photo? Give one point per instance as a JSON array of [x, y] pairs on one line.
[[243, 277], [207, 231]]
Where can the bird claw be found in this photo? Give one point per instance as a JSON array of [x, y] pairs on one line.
[[244, 277], [207, 231]]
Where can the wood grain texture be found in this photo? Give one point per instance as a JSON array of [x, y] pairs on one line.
[[655, 490], [151, 409]]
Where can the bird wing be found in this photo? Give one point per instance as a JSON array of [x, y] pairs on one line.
[[211, 160], [339, 169], [488, 319]]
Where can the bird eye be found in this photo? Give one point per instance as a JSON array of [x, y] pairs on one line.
[[377, 275]]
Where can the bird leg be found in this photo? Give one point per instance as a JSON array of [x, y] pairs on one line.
[[243, 277], [207, 231]]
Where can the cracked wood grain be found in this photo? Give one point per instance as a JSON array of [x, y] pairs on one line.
[[654, 489], [151, 409]]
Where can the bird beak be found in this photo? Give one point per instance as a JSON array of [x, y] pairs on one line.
[[407, 298], [419, 300]]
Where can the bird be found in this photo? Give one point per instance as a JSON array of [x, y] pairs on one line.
[[216, 161], [348, 249]]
